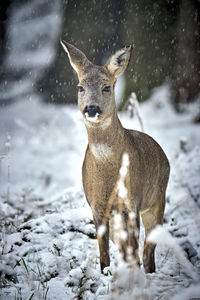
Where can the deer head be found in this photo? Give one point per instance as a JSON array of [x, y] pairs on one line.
[[96, 83]]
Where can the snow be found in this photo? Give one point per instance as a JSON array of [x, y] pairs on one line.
[[48, 241], [192, 291], [101, 230], [156, 237]]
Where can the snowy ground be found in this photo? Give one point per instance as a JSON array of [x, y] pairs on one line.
[[47, 243]]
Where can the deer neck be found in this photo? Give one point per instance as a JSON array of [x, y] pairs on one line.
[[105, 138]]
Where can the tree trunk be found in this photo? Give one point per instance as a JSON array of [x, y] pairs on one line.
[[186, 75]]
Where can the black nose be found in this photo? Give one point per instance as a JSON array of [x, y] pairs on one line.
[[92, 110]]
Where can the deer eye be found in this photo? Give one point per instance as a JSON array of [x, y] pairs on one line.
[[80, 88], [106, 89]]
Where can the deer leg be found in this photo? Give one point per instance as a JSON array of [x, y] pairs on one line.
[[103, 242], [150, 219]]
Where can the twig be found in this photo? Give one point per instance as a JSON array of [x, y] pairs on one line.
[[134, 106], [8, 145]]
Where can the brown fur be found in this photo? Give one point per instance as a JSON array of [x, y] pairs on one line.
[[107, 141]]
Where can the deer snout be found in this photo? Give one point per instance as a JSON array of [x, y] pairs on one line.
[[92, 111]]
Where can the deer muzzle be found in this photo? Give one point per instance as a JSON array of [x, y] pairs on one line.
[[92, 111]]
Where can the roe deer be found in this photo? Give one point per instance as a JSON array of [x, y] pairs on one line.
[[107, 141]]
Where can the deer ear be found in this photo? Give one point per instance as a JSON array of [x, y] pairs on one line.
[[118, 62], [77, 58]]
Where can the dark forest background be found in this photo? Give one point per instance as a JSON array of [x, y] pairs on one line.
[[165, 34]]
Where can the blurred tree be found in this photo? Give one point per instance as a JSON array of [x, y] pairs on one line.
[[95, 28], [151, 26], [101, 27], [166, 35], [4, 7], [29, 33], [186, 74]]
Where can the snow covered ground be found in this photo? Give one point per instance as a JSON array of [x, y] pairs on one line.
[[47, 242]]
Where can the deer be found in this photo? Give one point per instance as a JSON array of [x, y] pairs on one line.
[[107, 141]]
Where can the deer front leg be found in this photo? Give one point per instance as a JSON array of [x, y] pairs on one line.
[[103, 241]]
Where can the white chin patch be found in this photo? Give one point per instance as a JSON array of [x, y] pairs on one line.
[[92, 119]]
